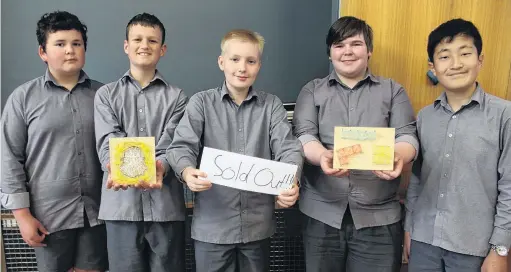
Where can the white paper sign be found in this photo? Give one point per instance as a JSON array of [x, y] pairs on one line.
[[247, 173]]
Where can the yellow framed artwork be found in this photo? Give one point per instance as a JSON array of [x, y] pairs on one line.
[[364, 148], [132, 160]]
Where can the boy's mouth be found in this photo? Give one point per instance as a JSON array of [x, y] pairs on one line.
[[144, 54]]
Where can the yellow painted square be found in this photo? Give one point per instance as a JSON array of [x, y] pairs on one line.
[[132, 160]]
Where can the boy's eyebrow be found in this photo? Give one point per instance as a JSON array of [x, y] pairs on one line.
[[466, 46], [442, 50]]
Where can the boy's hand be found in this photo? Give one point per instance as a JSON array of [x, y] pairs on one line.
[[110, 184], [160, 172], [191, 177], [406, 245], [32, 231], [287, 198], [390, 175], [327, 163], [494, 263]]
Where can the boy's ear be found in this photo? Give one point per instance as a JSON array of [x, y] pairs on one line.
[[432, 67], [163, 50], [481, 58], [125, 46], [221, 62], [42, 54]]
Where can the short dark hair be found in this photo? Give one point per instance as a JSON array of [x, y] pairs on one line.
[[146, 19], [449, 30], [56, 21], [346, 27]]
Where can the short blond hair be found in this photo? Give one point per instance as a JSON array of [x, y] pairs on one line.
[[244, 35]]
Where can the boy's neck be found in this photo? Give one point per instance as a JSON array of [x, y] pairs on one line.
[[66, 81], [238, 96], [142, 76], [459, 98]]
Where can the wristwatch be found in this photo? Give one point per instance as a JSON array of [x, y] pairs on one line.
[[501, 250]]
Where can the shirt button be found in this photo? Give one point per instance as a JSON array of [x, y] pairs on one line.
[[79, 153], [140, 110], [74, 110], [351, 109], [244, 211], [441, 195], [450, 135], [240, 130], [454, 117], [77, 131], [141, 129], [445, 175], [447, 155], [141, 92]]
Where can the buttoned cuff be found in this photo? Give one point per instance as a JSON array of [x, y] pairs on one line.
[[180, 167], [408, 222], [501, 237], [15, 201], [307, 138], [411, 140], [165, 164]]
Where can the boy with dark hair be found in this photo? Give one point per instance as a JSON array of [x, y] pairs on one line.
[[145, 225], [459, 203], [231, 228], [50, 169], [352, 218]]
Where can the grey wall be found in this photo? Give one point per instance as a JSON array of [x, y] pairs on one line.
[[294, 30]]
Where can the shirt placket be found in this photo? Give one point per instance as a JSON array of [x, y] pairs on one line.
[[240, 146], [445, 175], [79, 143], [142, 132]]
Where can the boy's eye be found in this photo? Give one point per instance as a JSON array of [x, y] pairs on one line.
[[235, 59], [77, 44], [443, 57], [252, 61], [59, 44], [153, 41], [466, 54], [137, 39]]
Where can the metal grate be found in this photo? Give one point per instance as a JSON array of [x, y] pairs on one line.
[[18, 255]]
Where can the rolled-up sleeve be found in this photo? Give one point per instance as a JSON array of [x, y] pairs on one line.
[[305, 116], [186, 144], [284, 144], [13, 190], [170, 128], [106, 125], [402, 118], [501, 235]]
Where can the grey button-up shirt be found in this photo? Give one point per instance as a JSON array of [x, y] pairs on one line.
[[259, 128], [49, 162], [462, 202], [124, 109], [373, 102]]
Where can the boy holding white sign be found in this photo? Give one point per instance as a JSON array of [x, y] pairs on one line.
[[231, 227], [352, 218]]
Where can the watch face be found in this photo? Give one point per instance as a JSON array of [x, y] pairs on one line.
[[502, 251]]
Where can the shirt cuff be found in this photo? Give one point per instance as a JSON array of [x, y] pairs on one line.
[[165, 163], [501, 237], [15, 201], [307, 138], [411, 140], [408, 222]]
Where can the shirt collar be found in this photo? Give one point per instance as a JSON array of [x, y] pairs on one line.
[[251, 93], [48, 77], [477, 97], [333, 78], [157, 77]]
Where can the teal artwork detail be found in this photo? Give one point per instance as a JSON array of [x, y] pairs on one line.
[[359, 135]]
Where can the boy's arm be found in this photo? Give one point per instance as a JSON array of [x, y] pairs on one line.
[[106, 125], [186, 143], [502, 223], [168, 133], [305, 125], [284, 145], [13, 190], [402, 117]]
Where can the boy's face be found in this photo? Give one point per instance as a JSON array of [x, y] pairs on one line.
[[143, 47], [65, 52], [456, 64], [240, 62], [350, 57]]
